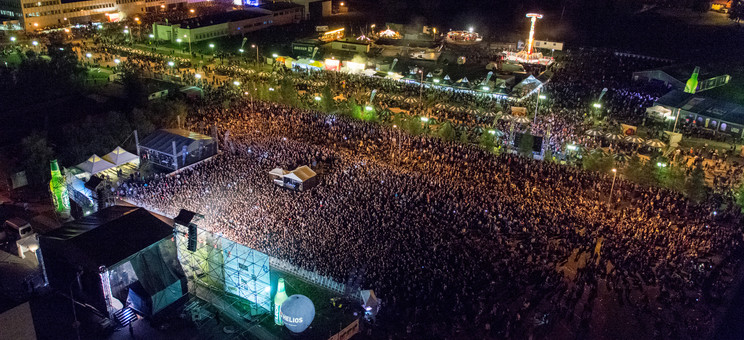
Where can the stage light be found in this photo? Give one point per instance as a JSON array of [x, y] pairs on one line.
[[597, 105], [116, 61], [236, 83], [197, 76], [170, 63], [425, 119], [317, 98], [89, 55]]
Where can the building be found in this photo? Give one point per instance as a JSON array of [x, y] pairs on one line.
[[213, 26], [47, 13], [716, 115], [314, 8], [676, 76], [284, 13], [229, 23]]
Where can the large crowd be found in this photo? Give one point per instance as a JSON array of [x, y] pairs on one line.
[[459, 243]]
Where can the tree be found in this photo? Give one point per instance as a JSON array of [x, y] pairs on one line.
[[446, 132], [695, 185], [736, 13], [739, 194], [35, 156], [327, 103], [464, 137], [413, 125], [486, 141], [598, 161], [672, 177], [525, 144]]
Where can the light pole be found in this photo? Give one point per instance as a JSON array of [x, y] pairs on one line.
[[421, 88], [189, 35], [256, 47], [612, 188], [537, 106], [676, 119]]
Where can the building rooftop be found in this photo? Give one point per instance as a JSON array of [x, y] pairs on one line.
[[279, 6], [708, 107], [219, 18]]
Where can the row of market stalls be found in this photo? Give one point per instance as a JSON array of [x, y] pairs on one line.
[[497, 85]]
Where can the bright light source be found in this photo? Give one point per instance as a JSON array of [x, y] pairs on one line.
[[178, 40], [542, 96], [317, 98], [61, 49], [493, 132], [152, 35], [424, 119], [197, 76], [486, 88], [245, 93], [597, 105], [236, 83], [470, 29], [116, 61], [89, 55], [36, 24], [136, 19], [67, 30], [211, 45], [368, 108], [436, 81], [268, 288], [275, 55], [614, 170], [661, 165], [271, 89], [12, 38], [253, 45], [35, 43], [572, 147], [126, 31], [191, 10], [341, 4], [241, 50], [162, 6], [670, 117], [170, 63]]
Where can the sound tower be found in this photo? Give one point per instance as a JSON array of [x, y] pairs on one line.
[[184, 218], [191, 246]]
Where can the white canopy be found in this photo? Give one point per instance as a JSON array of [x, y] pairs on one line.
[[301, 174], [120, 156], [277, 172], [94, 165]]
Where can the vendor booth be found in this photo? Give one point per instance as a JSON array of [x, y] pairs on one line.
[[302, 178]]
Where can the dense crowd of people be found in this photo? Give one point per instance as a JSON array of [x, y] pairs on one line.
[[456, 241]]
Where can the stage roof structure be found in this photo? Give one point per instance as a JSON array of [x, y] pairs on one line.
[[120, 156], [105, 237], [301, 174], [95, 164], [175, 148]]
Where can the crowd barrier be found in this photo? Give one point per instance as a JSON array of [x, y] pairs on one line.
[[307, 275]]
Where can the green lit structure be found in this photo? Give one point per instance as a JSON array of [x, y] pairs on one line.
[[279, 298], [58, 188], [692, 83]]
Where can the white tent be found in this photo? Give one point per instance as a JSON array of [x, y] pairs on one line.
[[94, 165], [120, 156]]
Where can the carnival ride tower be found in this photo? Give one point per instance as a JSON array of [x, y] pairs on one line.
[[527, 55]]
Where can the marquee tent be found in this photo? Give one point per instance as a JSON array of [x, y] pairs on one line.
[[120, 156], [95, 164]]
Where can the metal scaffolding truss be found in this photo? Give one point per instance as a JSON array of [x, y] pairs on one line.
[[226, 269]]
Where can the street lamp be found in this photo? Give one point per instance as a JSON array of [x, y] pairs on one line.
[[178, 40], [597, 105], [197, 76], [317, 98], [274, 55], [12, 39], [612, 188], [425, 119], [421, 88], [189, 36], [89, 55], [35, 43], [152, 36], [170, 63], [236, 83], [537, 106], [256, 47], [368, 108], [241, 50], [211, 46]]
